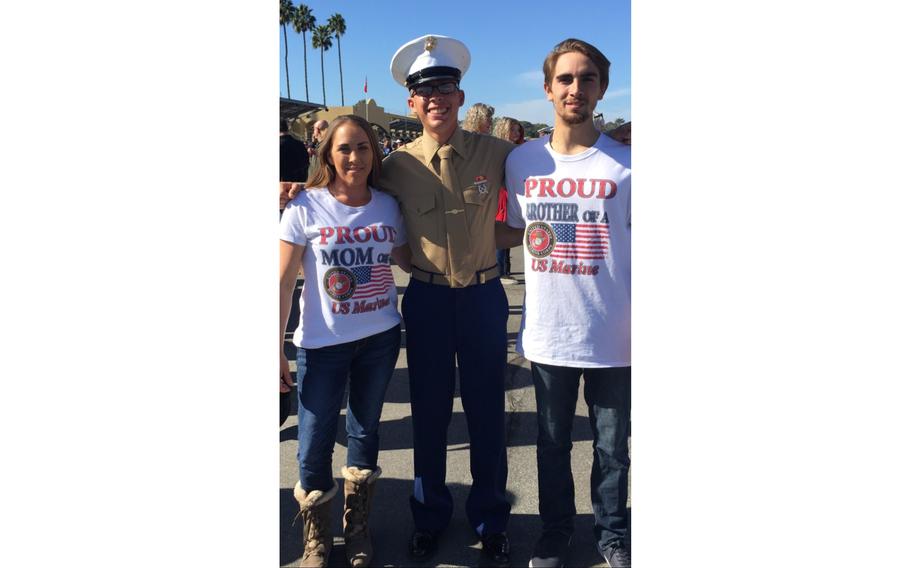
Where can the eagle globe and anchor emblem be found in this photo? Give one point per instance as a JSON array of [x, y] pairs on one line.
[[339, 283], [540, 239]]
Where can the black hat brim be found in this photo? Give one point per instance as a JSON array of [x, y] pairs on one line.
[[433, 74]]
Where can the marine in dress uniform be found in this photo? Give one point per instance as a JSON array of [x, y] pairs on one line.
[[455, 309]]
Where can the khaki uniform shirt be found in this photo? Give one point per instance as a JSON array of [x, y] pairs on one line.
[[450, 230]]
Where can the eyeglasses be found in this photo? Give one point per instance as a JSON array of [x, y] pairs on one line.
[[425, 91]]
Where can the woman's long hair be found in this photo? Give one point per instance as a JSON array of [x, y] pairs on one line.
[[476, 115], [503, 129]]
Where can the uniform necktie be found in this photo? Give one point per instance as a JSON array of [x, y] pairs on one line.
[[460, 257]]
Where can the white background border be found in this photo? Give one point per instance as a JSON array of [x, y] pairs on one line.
[[770, 294]]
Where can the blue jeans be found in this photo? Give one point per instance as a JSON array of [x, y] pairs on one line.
[[608, 394], [467, 325], [321, 377]]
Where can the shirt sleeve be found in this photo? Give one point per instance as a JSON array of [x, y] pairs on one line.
[[629, 206], [501, 204], [514, 187], [386, 181], [293, 224], [401, 233]]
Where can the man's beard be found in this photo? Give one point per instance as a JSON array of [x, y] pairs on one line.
[[576, 117]]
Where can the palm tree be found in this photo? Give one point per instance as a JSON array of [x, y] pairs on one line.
[[322, 40], [285, 12], [337, 25], [304, 21]]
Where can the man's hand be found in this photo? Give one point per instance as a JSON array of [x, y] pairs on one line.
[[507, 237], [402, 257], [287, 190], [622, 133]]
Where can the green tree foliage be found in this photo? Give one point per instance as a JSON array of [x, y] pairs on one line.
[[531, 130], [304, 21], [285, 13], [608, 126], [322, 40], [337, 25]]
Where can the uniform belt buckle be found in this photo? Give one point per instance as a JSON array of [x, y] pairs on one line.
[[483, 275], [429, 277]]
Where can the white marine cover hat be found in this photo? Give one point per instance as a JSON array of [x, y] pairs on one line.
[[430, 58]]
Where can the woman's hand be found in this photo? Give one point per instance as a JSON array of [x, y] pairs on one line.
[[289, 255], [285, 382]]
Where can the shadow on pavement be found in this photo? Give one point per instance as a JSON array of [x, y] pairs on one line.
[[391, 527], [399, 389]]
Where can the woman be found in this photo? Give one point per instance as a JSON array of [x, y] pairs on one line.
[[511, 130], [478, 118], [343, 232]]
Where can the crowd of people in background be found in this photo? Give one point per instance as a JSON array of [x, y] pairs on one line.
[[389, 145], [479, 118]]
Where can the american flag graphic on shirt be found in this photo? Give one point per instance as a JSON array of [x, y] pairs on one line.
[[581, 241], [372, 280]]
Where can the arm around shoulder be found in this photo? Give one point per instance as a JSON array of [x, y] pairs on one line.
[[287, 190]]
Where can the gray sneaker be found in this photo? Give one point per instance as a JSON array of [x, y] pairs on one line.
[[617, 555], [551, 550]]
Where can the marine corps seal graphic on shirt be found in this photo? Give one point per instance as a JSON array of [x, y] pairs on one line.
[[339, 283], [540, 239]]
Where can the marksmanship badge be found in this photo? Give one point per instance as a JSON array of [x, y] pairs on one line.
[[540, 239], [339, 283], [481, 183]]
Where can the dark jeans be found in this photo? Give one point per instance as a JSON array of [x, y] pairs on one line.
[[468, 325], [608, 394], [321, 377]]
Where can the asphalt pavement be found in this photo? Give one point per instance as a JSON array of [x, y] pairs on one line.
[[390, 520]]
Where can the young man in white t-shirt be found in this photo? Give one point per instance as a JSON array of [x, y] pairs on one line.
[[569, 207]]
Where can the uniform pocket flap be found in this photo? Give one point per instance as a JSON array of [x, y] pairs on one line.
[[474, 196], [423, 203]]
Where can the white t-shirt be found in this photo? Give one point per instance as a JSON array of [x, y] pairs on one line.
[[348, 292], [576, 211]]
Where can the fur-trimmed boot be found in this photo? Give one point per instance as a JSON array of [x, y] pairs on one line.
[[359, 485], [315, 507]]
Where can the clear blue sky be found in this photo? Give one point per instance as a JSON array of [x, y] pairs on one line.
[[508, 41]]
